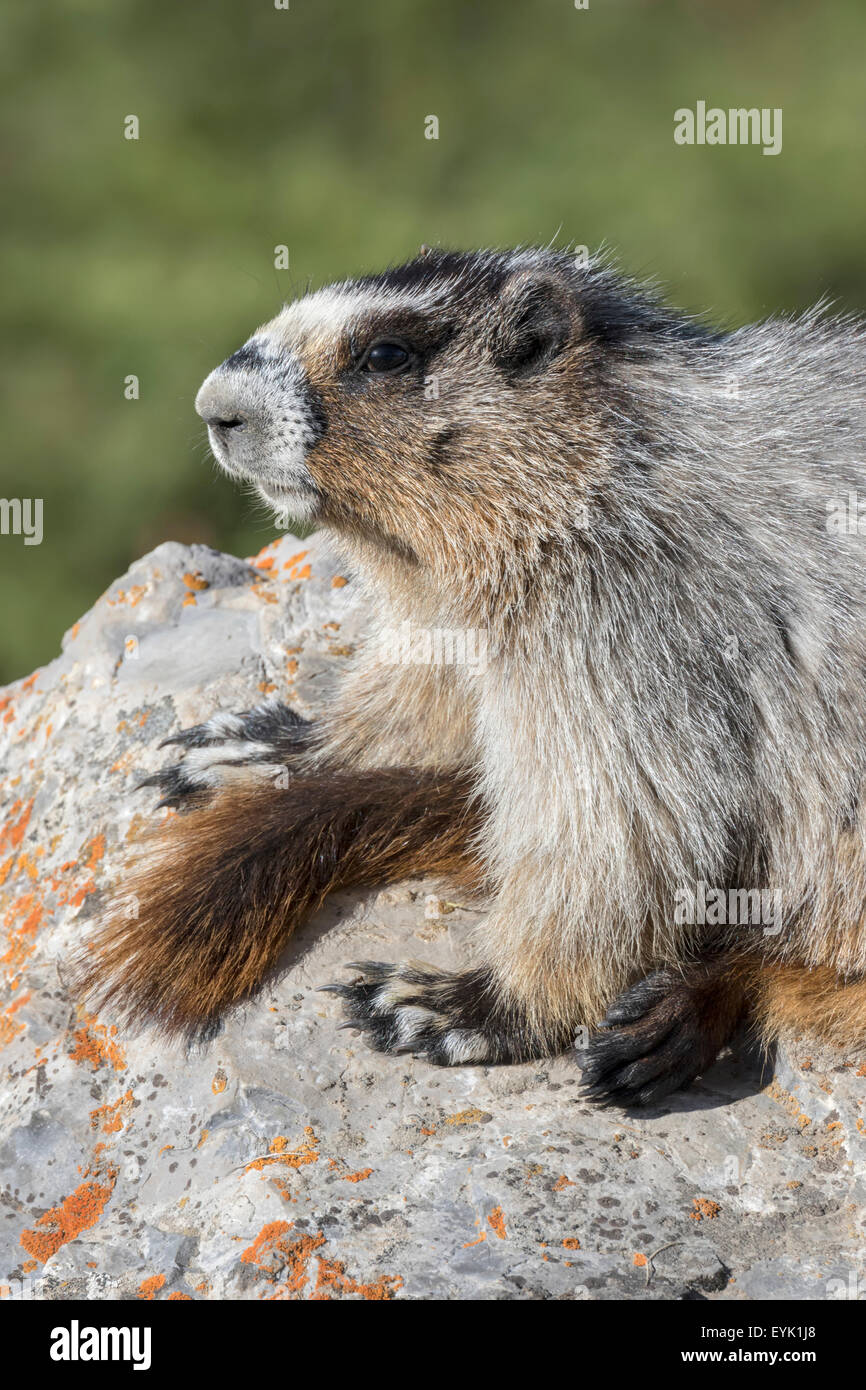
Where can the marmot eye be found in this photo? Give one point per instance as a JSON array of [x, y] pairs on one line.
[[386, 357]]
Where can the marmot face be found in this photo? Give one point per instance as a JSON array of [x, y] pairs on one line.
[[443, 409]]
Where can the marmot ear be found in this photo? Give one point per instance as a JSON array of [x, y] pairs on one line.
[[537, 318]]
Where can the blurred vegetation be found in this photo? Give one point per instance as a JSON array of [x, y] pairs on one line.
[[305, 126]]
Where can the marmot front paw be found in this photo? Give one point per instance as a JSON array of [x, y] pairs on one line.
[[258, 744], [447, 1018]]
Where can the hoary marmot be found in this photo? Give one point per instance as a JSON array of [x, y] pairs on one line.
[[652, 524]]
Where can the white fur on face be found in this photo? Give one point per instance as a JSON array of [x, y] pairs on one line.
[[316, 319], [327, 315]]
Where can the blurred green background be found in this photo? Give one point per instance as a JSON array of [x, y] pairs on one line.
[[305, 126]]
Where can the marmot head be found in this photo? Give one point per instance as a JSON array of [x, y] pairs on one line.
[[449, 410]]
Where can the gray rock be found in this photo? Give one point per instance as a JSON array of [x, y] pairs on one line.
[[285, 1159]]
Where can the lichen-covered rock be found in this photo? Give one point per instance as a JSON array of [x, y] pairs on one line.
[[286, 1160]]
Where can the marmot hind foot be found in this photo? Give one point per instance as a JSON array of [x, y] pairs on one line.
[[661, 1034]]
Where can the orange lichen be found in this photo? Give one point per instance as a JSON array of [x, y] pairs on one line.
[[339, 582], [12, 832], [496, 1221], [571, 1243], [97, 852], [278, 1152], [465, 1117], [75, 892], [125, 762], [789, 1103], [261, 590], [149, 1288], [477, 1241], [704, 1209], [111, 1116], [10, 1028], [360, 1176], [20, 936], [27, 864], [284, 1260], [94, 1044], [640, 1261], [193, 580], [219, 1082], [76, 1213], [267, 1240], [269, 545], [332, 1276], [56, 881], [561, 1183], [179, 1298]]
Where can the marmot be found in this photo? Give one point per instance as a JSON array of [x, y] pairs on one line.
[[638, 512]]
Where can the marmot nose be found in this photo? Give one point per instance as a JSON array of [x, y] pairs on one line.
[[224, 404]]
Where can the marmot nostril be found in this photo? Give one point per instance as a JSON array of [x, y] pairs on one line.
[[215, 422]]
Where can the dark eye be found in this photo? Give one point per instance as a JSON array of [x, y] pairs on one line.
[[386, 357]]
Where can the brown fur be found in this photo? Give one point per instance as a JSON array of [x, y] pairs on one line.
[[792, 999], [201, 946]]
